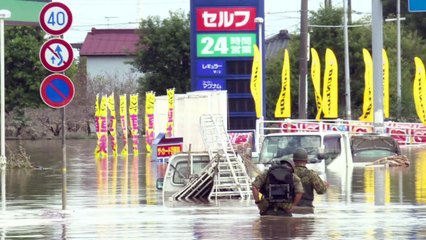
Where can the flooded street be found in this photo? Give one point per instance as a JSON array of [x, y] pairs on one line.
[[116, 198]]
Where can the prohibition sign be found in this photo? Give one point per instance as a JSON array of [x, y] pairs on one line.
[[56, 55], [55, 18], [57, 90]]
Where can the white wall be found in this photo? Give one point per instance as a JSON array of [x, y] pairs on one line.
[[188, 109], [114, 67]]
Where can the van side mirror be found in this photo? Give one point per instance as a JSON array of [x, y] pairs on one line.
[[255, 157], [159, 183]]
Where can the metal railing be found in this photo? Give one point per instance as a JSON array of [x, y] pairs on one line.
[[403, 132]]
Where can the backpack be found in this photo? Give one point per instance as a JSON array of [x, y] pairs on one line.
[[279, 185]]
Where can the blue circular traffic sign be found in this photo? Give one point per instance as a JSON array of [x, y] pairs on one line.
[[55, 18], [57, 90]]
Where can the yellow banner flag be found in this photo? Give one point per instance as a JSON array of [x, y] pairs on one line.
[[123, 120], [316, 80], [283, 108], [149, 120], [97, 125], [170, 112], [330, 91], [103, 126], [368, 107], [256, 81], [112, 124], [385, 84], [134, 125], [419, 89]]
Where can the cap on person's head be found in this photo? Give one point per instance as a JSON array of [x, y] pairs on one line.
[[300, 155]]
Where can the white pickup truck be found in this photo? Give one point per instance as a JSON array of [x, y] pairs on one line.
[[327, 149]]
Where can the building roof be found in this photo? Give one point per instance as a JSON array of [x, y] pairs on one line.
[[276, 43], [110, 42]]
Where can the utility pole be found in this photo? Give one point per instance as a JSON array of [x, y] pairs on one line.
[[303, 59], [347, 77], [350, 11], [398, 66], [377, 43], [4, 14]]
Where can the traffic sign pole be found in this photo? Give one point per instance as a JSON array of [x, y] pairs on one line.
[[56, 55], [64, 163]]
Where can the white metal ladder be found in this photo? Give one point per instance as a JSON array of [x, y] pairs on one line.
[[231, 178]]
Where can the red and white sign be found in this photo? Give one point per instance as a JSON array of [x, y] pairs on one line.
[[168, 150], [55, 18], [226, 19], [56, 55]]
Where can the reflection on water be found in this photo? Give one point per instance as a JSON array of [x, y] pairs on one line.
[[116, 198], [267, 227], [108, 176], [420, 179]]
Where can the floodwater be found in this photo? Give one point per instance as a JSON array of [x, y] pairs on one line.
[[116, 198]]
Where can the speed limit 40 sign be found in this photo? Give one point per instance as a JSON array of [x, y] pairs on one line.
[[55, 18]]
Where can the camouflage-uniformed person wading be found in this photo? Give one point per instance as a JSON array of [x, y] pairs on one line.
[[264, 204], [311, 181]]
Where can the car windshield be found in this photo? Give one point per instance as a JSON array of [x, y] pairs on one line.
[[278, 147], [182, 170]]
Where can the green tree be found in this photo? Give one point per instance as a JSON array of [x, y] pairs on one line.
[[416, 21], [359, 38], [324, 34], [273, 78], [412, 45], [164, 54], [24, 71]]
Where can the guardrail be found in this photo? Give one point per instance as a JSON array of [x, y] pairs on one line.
[[404, 133]]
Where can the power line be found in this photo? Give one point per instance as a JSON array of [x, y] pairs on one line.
[[340, 26], [105, 24]]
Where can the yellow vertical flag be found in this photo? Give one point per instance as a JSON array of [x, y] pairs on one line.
[[283, 108], [330, 91], [419, 89], [123, 119], [97, 124], [134, 125], [149, 120], [103, 126], [256, 81], [385, 84], [316, 80], [112, 124], [368, 106], [170, 112]]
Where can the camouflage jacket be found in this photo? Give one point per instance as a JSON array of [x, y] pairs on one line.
[[310, 181]]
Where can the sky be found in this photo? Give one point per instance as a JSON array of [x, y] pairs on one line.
[[88, 14]]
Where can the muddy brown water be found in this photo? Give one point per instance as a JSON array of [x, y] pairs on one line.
[[116, 198]]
